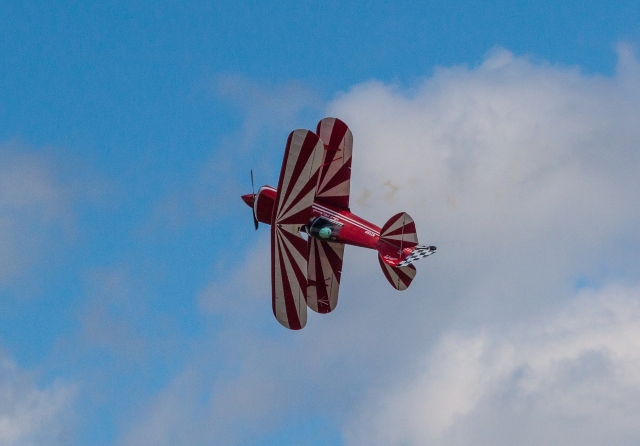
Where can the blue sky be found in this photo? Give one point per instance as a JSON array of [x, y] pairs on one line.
[[130, 275]]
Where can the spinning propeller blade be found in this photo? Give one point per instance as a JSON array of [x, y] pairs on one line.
[[255, 220]]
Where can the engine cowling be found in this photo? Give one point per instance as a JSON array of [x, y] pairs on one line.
[[263, 204]]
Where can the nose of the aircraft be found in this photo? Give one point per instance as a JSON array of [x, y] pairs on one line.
[[249, 199]]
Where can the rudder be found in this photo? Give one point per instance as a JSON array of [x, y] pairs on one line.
[[398, 238], [398, 248]]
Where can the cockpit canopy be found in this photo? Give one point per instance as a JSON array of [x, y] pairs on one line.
[[324, 229]]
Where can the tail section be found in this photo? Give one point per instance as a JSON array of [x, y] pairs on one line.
[[398, 248], [399, 278], [400, 231], [398, 239], [417, 253]]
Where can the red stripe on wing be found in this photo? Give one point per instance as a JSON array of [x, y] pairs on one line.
[[335, 257], [304, 214], [340, 176], [318, 296], [323, 274], [292, 207], [293, 319], [335, 173], [301, 173], [288, 269], [297, 282], [295, 240]]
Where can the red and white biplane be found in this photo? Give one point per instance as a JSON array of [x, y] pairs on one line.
[[312, 198]]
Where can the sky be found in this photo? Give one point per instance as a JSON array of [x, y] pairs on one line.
[[134, 292]]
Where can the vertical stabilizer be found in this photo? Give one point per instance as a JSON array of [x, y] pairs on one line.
[[397, 238], [398, 248]]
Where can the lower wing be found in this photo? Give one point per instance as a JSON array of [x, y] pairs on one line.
[[323, 275]]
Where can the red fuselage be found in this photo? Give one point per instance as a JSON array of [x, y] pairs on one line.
[[343, 226]]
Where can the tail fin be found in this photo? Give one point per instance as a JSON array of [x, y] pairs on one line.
[[398, 239], [400, 231], [398, 248]]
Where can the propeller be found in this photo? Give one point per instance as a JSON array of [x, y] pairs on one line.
[[253, 212]]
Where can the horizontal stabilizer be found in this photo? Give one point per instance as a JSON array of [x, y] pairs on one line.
[[399, 278], [398, 244]]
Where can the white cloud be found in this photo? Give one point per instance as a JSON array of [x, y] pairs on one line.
[[525, 177], [525, 174], [30, 415], [579, 364]]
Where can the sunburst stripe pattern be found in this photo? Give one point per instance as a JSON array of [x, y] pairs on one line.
[[293, 201], [289, 277], [399, 278], [298, 177], [335, 173], [400, 230], [323, 275]]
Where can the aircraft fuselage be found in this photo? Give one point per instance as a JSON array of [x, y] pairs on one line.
[[345, 226]]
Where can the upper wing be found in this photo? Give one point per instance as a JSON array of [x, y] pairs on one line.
[[292, 209], [335, 173], [298, 178], [323, 275]]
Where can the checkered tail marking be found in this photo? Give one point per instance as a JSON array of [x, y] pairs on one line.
[[420, 252]]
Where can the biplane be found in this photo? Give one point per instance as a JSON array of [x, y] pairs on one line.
[[311, 223]]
